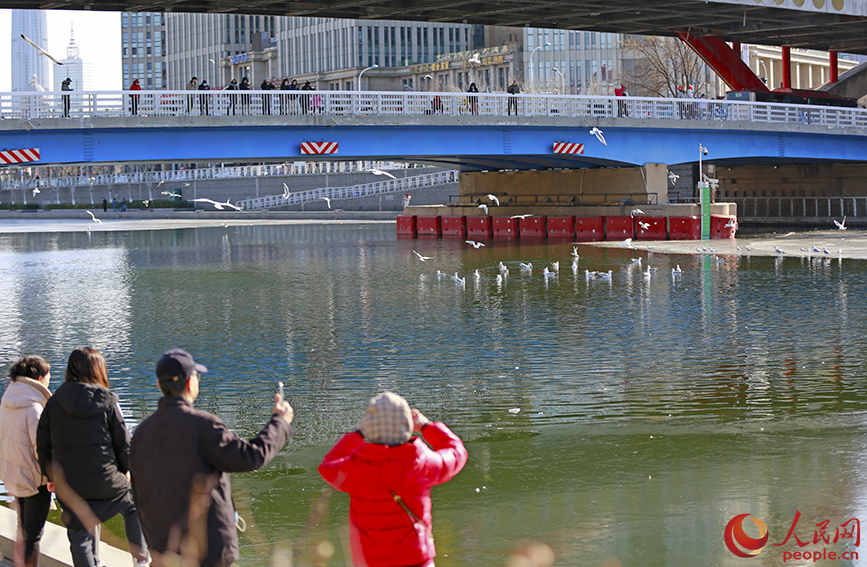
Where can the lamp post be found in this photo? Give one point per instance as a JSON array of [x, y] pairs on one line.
[[762, 63], [533, 68], [703, 196], [562, 80], [374, 66]]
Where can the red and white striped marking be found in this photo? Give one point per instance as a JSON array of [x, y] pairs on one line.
[[318, 147], [568, 148], [19, 156]]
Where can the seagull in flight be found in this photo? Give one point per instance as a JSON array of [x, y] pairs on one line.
[[171, 194], [521, 216], [218, 205], [94, 218], [598, 133], [475, 244], [36, 191], [327, 201], [475, 59], [841, 225], [423, 258], [731, 223], [644, 225], [484, 207], [380, 172], [286, 191], [146, 202], [494, 199], [548, 273], [39, 49], [627, 243], [673, 177], [636, 212]]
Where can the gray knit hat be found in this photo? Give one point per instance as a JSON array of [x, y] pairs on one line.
[[387, 421]]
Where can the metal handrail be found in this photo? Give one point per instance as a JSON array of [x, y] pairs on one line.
[[351, 192], [156, 104], [800, 207]]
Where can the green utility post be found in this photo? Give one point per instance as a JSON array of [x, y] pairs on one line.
[[704, 199]]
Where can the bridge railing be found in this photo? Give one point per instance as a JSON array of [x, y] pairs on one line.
[[363, 190], [149, 104], [786, 207]]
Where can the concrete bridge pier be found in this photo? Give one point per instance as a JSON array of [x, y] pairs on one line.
[[645, 185]]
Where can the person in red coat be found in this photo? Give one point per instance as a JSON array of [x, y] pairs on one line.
[[135, 86], [388, 475]]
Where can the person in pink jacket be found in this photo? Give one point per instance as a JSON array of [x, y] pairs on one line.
[[388, 475], [20, 408]]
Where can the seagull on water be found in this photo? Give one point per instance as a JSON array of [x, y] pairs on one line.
[[484, 207], [673, 177], [39, 49], [555, 266], [440, 274], [548, 273], [637, 261], [494, 199], [502, 267], [575, 252], [598, 133], [423, 258], [94, 218], [380, 172], [528, 266], [676, 270], [604, 275], [841, 225], [459, 280], [521, 216], [475, 244], [476, 275], [499, 279]]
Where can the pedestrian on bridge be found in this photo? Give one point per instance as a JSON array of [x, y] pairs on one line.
[[293, 98], [66, 85], [514, 89], [266, 98], [474, 100], [305, 99], [203, 98], [245, 98], [191, 86], [133, 98], [233, 86]]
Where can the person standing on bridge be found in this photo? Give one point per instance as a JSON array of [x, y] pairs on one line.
[[514, 89], [284, 98], [203, 98], [245, 98], [474, 100], [191, 86], [293, 98], [233, 98], [266, 98], [133, 98], [305, 99], [66, 85]]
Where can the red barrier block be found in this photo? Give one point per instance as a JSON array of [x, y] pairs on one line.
[[534, 227], [480, 228], [561, 227], [650, 228], [505, 227], [429, 226], [619, 228], [590, 229], [723, 226], [684, 228], [406, 225], [454, 227]]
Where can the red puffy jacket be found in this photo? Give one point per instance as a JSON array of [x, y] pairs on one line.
[[381, 532]]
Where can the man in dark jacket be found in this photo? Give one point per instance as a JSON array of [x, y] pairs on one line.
[[179, 458]]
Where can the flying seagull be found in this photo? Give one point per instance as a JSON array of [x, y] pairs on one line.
[[39, 49], [494, 199], [636, 212], [380, 172], [673, 177], [218, 205], [94, 218], [171, 194], [841, 225], [598, 133], [286, 191], [644, 225], [146, 202], [521, 216], [475, 59], [484, 207], [36, 191], [475, 244], [327, 201], [627, 243]]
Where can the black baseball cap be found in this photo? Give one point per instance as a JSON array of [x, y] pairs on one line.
[[176, 365]]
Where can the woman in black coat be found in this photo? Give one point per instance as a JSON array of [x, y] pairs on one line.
[[83, 448]]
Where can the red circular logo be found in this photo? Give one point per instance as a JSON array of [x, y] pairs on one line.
[[740, 543]]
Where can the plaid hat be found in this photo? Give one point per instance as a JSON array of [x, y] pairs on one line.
[[387, 421], [176, 365]]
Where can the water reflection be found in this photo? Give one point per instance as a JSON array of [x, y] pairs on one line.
[[652, 408]]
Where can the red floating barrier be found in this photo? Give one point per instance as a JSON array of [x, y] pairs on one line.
[[454, 227], [590, 229], [561, 227], [429, 226], [505, 227], [684, 228], [480, 228], [619, 228], [723, 226], [534, 227], [650, 228], [406, 225]]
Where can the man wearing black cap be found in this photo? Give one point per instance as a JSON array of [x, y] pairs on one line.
[[66, 85], [179, 457]]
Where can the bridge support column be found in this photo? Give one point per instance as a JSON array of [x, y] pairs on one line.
[[835, 72], [787, 67]]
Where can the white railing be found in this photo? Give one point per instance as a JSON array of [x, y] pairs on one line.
[[365, 190], [789, 207], [158, 178], [152, 104]]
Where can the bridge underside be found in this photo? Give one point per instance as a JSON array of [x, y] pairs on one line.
[[835, 27]]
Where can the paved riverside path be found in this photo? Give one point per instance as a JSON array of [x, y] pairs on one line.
[[54, 548]]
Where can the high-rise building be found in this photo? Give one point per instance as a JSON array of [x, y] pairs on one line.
[[81, 72], [143, 39], [27, 62]]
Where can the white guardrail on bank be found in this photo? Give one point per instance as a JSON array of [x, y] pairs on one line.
[[110, 104], [365, 190], [788, 207]]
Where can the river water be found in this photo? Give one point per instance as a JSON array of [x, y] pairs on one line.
[[620, 422]]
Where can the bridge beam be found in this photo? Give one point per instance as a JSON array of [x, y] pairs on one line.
[[725, 61]]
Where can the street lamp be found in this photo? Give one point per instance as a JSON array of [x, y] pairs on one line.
[[532, 68], [374, 66], [762, 63], [562, 80]]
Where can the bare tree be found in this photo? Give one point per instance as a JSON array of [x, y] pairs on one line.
[[657, 66]]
